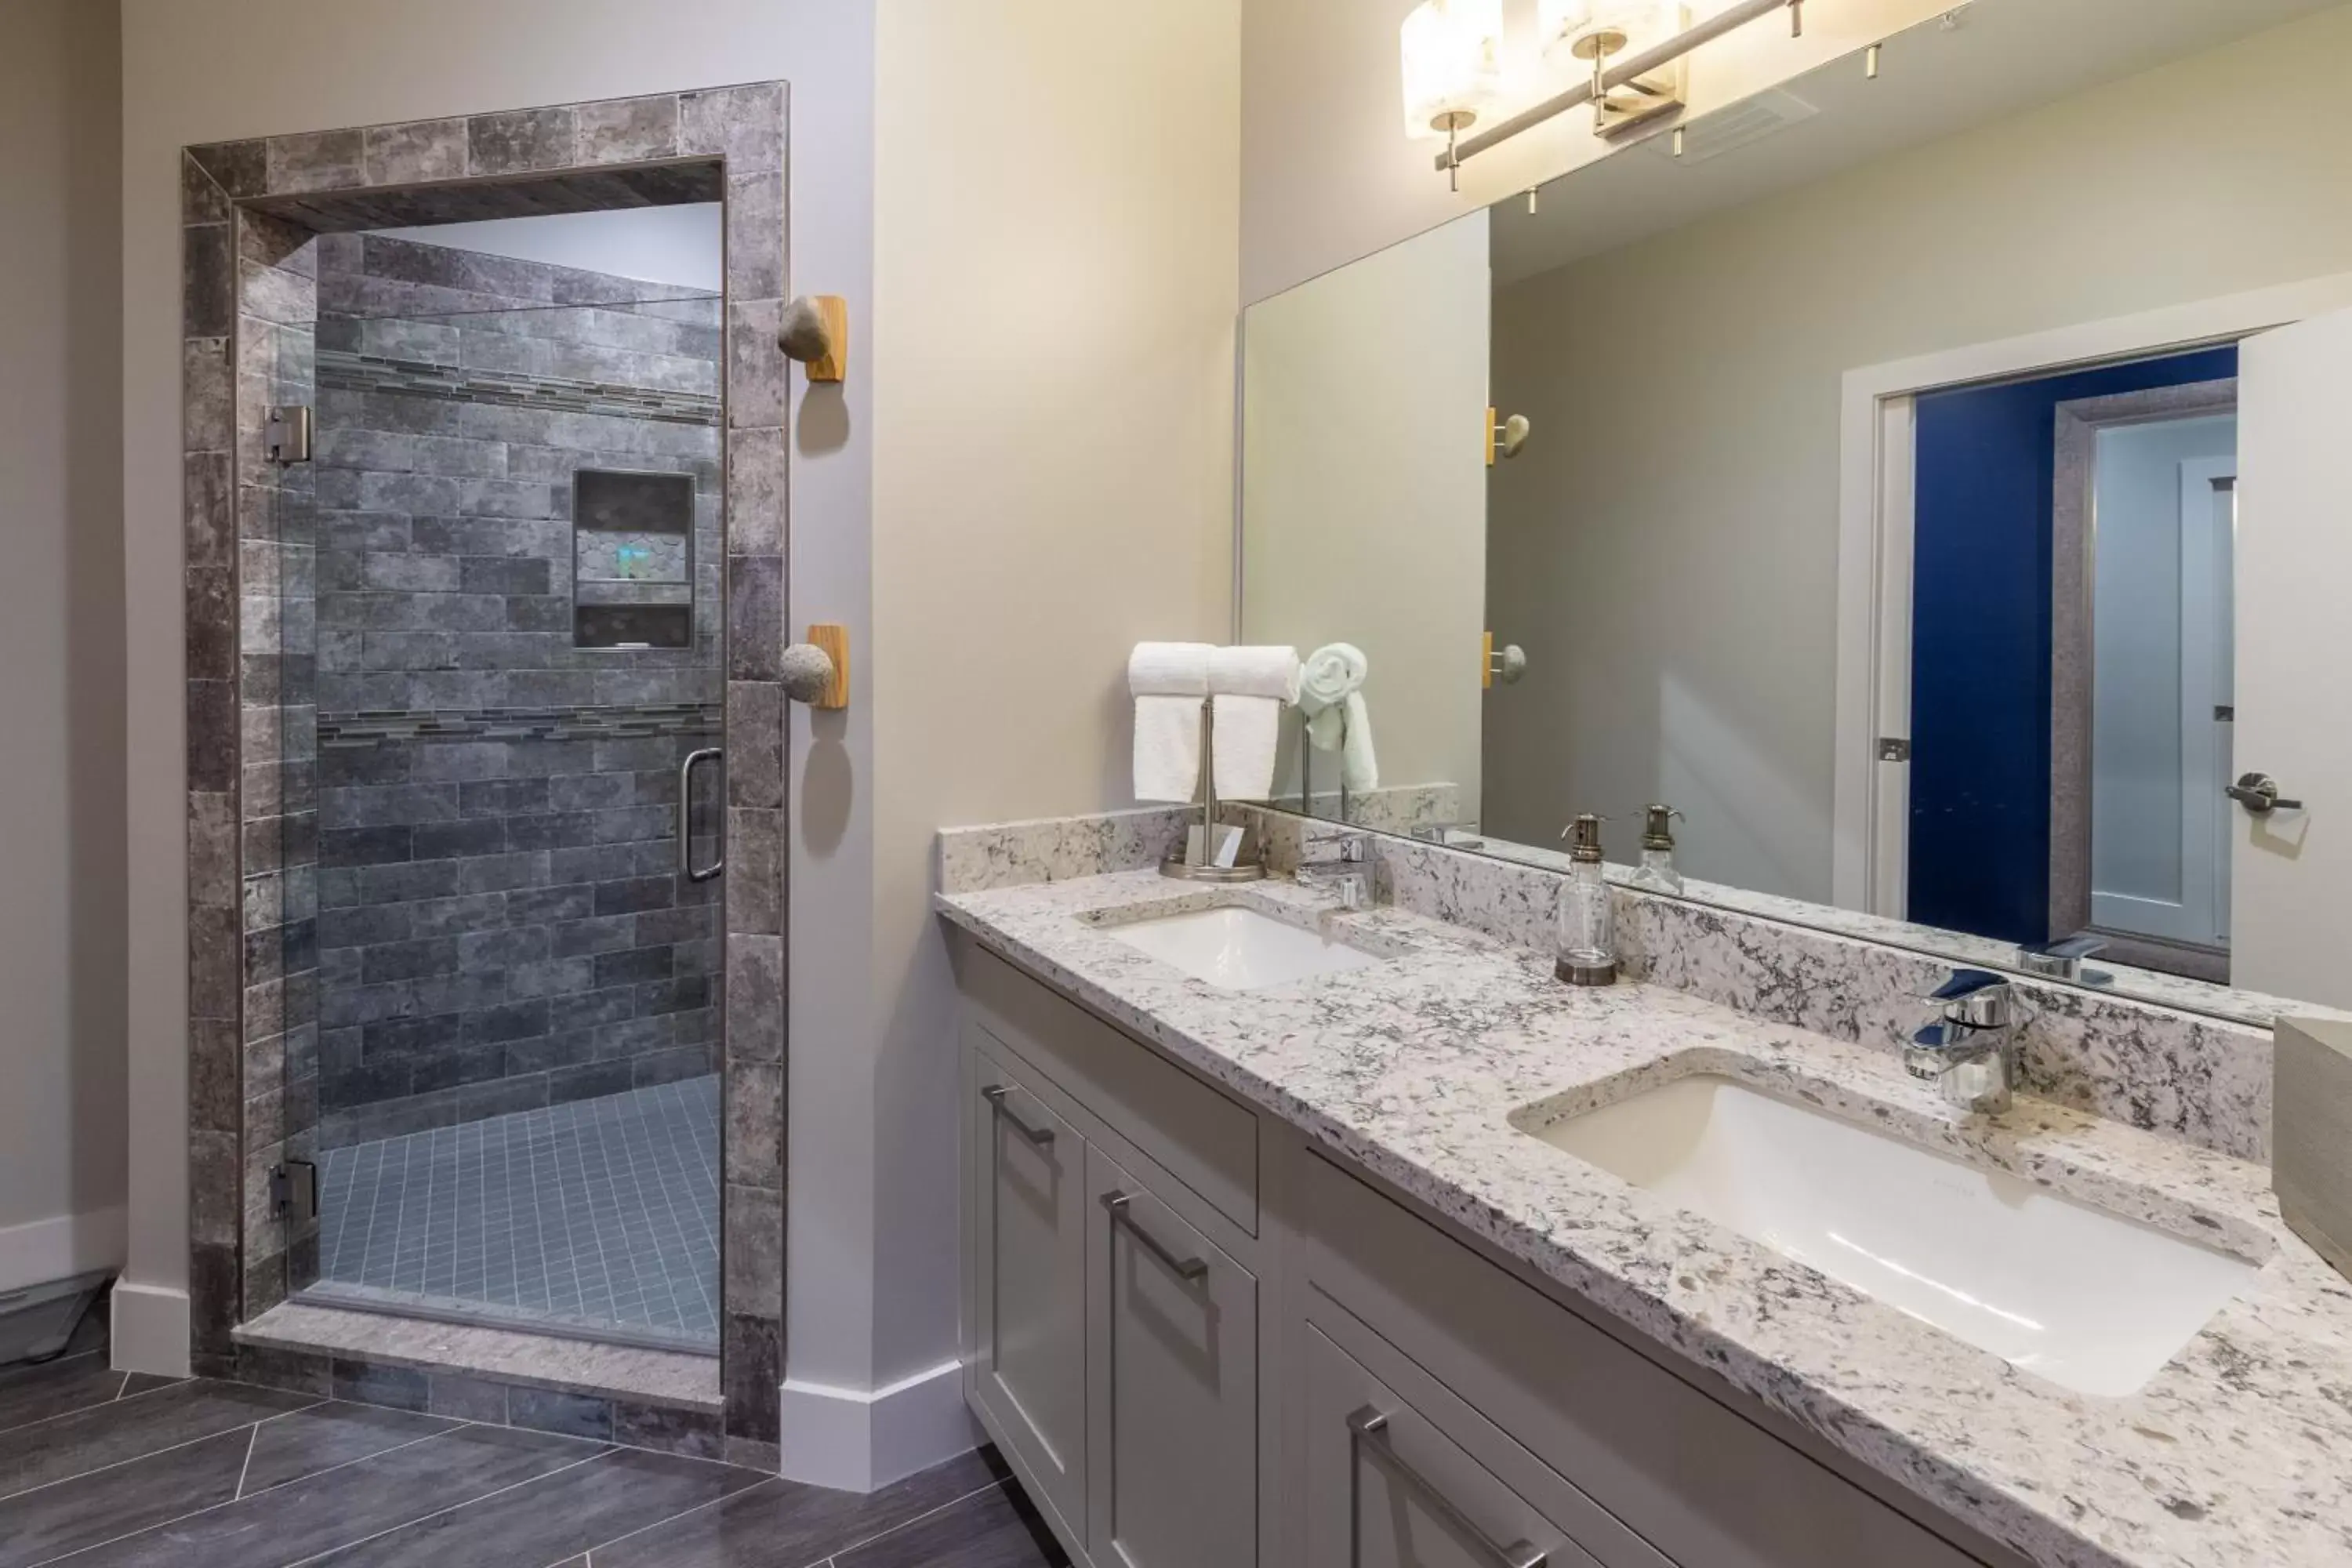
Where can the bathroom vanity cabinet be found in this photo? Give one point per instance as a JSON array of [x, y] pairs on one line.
[[1204, 1341]]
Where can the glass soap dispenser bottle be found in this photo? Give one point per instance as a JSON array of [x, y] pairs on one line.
[[1588, 932], [1657, 872]]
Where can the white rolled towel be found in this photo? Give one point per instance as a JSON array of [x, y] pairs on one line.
[[1330, 696], [1251, 686], [1169, 669], [1168, 681], [1267, 671]]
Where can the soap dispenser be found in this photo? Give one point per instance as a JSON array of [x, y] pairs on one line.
[[1588, 932], [1657, 872]]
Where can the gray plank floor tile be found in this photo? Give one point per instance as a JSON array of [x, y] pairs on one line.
[[89, 1509], [997, 1529], [289, 1447], [782, 1524], [123, 1429], [37, 1393], [300, 1520], [622, 1491]]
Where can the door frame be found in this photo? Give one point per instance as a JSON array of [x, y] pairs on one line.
[[251, 207], [1869, 836]]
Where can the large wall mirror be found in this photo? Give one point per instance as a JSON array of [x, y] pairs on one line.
[[1935, 484]]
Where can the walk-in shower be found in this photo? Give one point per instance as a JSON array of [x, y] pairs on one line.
[[518, 641], [485, 763]]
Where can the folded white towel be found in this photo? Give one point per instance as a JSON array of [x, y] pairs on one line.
[[1169, 669], [1167, 748], [1330, 696], [1170, 681], [1249, 732], [1251, 687], [1266, 672]]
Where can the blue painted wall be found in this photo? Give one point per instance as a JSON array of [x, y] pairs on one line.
[[1980, 631]]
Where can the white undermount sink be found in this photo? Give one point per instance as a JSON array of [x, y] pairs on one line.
[[2074, 1294], [1236, 949]]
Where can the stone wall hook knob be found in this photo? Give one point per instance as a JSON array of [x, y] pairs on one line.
[[815, 331], [807, 673]]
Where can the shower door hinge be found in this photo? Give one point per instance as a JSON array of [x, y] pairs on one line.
[[294, 1191], [289, 433]]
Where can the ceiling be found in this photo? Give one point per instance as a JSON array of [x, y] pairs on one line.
[[1991, 58]]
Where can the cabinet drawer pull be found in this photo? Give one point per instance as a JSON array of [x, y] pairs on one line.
[[1041, 1136], [1185, 1268], [1367, 1430]]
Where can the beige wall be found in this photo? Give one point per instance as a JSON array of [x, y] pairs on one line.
[[1362, 394], [201, 71], [62, 896], [1328, 173], [1056, 225], [1682, 635]]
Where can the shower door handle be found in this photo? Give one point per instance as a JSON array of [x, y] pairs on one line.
[[685, 866]]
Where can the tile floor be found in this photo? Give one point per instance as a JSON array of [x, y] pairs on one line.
[[105, 1470], [600, 1213]]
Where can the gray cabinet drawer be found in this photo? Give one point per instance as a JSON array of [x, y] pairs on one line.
[[1692, 1477], [1384, 1486], [1172, 1343], [1026, 1364], [1206, 1140]]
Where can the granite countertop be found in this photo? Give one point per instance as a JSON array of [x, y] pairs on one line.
[[2237, 1451]]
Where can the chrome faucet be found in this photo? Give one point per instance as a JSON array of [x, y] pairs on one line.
[[1347, 868], [1970, 1053], [2063, 960]]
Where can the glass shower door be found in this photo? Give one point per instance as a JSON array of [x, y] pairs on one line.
[[518, 702]]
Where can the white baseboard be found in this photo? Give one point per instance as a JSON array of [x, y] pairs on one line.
[[151, 1329], [854, 1440], [43, 1250]]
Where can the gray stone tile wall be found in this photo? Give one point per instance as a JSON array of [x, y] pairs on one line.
[[500, 925]]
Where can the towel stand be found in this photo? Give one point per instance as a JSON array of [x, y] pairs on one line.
[[1180, 865]]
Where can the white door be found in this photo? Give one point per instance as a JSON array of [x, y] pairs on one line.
[[2161, 825], [2291, 871]]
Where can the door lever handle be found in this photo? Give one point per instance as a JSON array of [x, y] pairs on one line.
[[2259, 793]]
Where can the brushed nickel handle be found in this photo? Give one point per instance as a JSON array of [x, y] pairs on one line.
[[2259, 793], [686, 867], [1367, 1431], [1122, 1214], [1043, 1137]]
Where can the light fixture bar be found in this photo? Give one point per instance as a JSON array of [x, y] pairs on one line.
[[1633, 66]]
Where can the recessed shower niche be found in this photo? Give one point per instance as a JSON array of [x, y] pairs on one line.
[[632, 559]]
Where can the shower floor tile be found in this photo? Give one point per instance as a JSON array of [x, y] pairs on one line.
[[598, 1214]]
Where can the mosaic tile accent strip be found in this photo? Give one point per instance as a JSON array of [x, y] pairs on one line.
[[601, 1213], [574, 723], [417, 378]]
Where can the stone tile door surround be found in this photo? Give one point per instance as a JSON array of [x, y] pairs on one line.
[[250, 210]]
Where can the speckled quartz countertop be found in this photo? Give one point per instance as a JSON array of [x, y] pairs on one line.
[[2239, 1451]]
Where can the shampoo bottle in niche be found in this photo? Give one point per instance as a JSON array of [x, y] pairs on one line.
[[1657, 872], [1588, 932]]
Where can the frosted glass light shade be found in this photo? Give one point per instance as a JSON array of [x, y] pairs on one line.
[[1451, 52]]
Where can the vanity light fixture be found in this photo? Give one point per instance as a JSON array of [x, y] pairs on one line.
[[1590, 33], [1453, 57], [1440, 88]]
